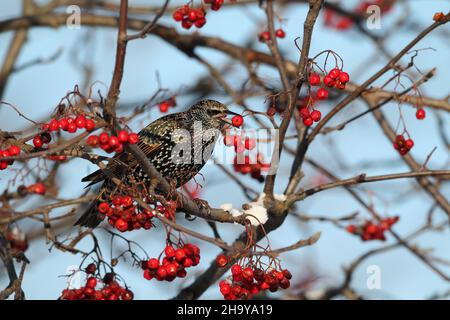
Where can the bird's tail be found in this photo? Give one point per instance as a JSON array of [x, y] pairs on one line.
[[91, 217]]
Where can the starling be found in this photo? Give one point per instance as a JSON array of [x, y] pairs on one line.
[[178, 145]]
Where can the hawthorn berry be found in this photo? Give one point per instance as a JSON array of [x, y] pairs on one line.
[[80, 121], [14, 150], [237, 120], [133, 138], [121, 225], [420, 114], [316, 115], [334, 73], [249, 143], [37, 141], [93, 140], [221, 260], [322, 94], [328, 81], [91, 268], [344, 77], [314, 79], [90, 125], [279, 33]]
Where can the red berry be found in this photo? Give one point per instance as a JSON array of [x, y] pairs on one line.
[[80, 121], [72, 127], [225, 289], [103, 138], [409, 143], [322, 94], [192, 16], [91, 268], [186, 24], [161, 273], [113, 141], [237, 121], [38, 188], [91, 282], [14, 150], [247, 273], [164, 106], [279, 33], [236, 270], [63, 123], [180, 255], [314, 79], [249, 143], [228, 140], [316, 115], [264, 36], [93, 140], [123, 136], [221, 260], [351, 228], [328, 81], [90, 125], [121, 225], [169, 251], [344, 77], [37, 141], [177, 15], [334, 73], [200, 22], [420, 114], [308, 121], [103, 207], [153, 263], [133, 138], [53, 125]]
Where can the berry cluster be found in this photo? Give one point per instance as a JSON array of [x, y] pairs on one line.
[[239, 145], [111, 289], [307, 111], [165, 105], [245, 282], [124, 215], [174, 263], [9, 152], [112, 143], [254, 169], [37, 188], [402, 145], [68, 124], [189, 16], [372, 230], [335, 78], [265, 35]]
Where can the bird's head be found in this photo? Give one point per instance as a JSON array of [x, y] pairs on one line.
[[213, 112]]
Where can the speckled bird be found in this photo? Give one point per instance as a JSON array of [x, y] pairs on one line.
[[157, 141]]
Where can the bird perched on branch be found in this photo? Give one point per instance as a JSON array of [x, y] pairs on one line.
[[178, 145]]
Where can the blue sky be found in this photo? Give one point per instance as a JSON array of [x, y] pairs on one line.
[[37, 90]]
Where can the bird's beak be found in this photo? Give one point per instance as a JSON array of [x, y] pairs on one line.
[[232, 113]]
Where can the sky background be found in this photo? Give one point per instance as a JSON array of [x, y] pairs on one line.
[[38, 89]]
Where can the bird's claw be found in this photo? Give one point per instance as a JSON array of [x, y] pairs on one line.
[[203, 204]]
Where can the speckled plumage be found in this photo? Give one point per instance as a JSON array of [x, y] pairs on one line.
[[157, 141]]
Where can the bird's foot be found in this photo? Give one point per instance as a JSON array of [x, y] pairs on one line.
[[202, 204]]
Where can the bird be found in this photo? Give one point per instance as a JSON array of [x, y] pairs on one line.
[[178, 145]]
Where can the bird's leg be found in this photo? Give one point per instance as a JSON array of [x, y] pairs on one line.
[[203, 204]]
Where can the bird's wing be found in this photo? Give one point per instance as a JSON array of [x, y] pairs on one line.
[[123, 161]]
